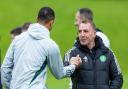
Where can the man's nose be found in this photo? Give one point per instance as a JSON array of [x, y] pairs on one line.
[[82, 33]]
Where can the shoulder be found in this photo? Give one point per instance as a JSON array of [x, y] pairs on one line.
[[68, 55], [71, 50], [51, 45], [110, 53], [99, 30], [19, 37], [101, 34], [104, 38]]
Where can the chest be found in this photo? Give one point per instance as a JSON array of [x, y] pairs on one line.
[[94, 61]]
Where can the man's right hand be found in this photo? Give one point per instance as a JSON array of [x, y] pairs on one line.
[[76, 61]]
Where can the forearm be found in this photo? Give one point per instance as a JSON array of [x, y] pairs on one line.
[[59, 71], [7, 67], [56, 65], [116, 76], [6, 77], [68, 70], [117, 82]]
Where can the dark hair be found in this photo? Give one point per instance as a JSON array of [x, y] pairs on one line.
[[46, 14], [92, 24], [16, 31], [25, 26], [87, 13]]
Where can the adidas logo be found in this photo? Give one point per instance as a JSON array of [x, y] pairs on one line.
[[85, 59]]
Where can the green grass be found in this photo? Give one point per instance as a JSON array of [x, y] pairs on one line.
[[109, 15]]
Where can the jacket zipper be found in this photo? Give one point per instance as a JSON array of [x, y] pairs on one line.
[[94, 68]]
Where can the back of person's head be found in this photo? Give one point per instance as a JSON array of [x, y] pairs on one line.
[[86, 13], [16, 31], [46, 14], [25, 26]]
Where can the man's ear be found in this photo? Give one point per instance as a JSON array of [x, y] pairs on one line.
[[52, 21], [95, 32]]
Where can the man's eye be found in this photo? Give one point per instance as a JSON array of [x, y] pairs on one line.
[[85, 31]]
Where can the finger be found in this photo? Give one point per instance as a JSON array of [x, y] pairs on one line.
[[77, 56]]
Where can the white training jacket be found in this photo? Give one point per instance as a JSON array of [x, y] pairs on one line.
[[24, 66]]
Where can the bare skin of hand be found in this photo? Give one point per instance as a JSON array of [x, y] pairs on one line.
[[76, 61]]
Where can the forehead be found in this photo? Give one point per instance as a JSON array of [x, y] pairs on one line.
[[84, 26]]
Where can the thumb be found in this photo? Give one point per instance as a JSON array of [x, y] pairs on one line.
[[78, 56]]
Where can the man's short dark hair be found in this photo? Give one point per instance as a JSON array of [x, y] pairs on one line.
[[87, 13], [92, 24], [46, 14], [16, 31]]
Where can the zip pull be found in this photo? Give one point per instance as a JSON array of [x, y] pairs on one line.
[[92, 56], [90, 51]]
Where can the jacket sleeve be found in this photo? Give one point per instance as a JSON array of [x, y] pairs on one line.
[[67, 57], [7, 66], [115, 73], [66, 61], [56, 65]]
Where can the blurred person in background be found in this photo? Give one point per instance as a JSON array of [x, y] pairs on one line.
[[25, 26], [15, 32]]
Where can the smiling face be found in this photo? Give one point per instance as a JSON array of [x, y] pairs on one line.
[[86, 34]]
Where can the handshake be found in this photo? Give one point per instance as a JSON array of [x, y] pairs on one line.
[[76, 61]]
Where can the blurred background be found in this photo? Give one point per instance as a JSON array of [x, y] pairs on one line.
[[111, 16]]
